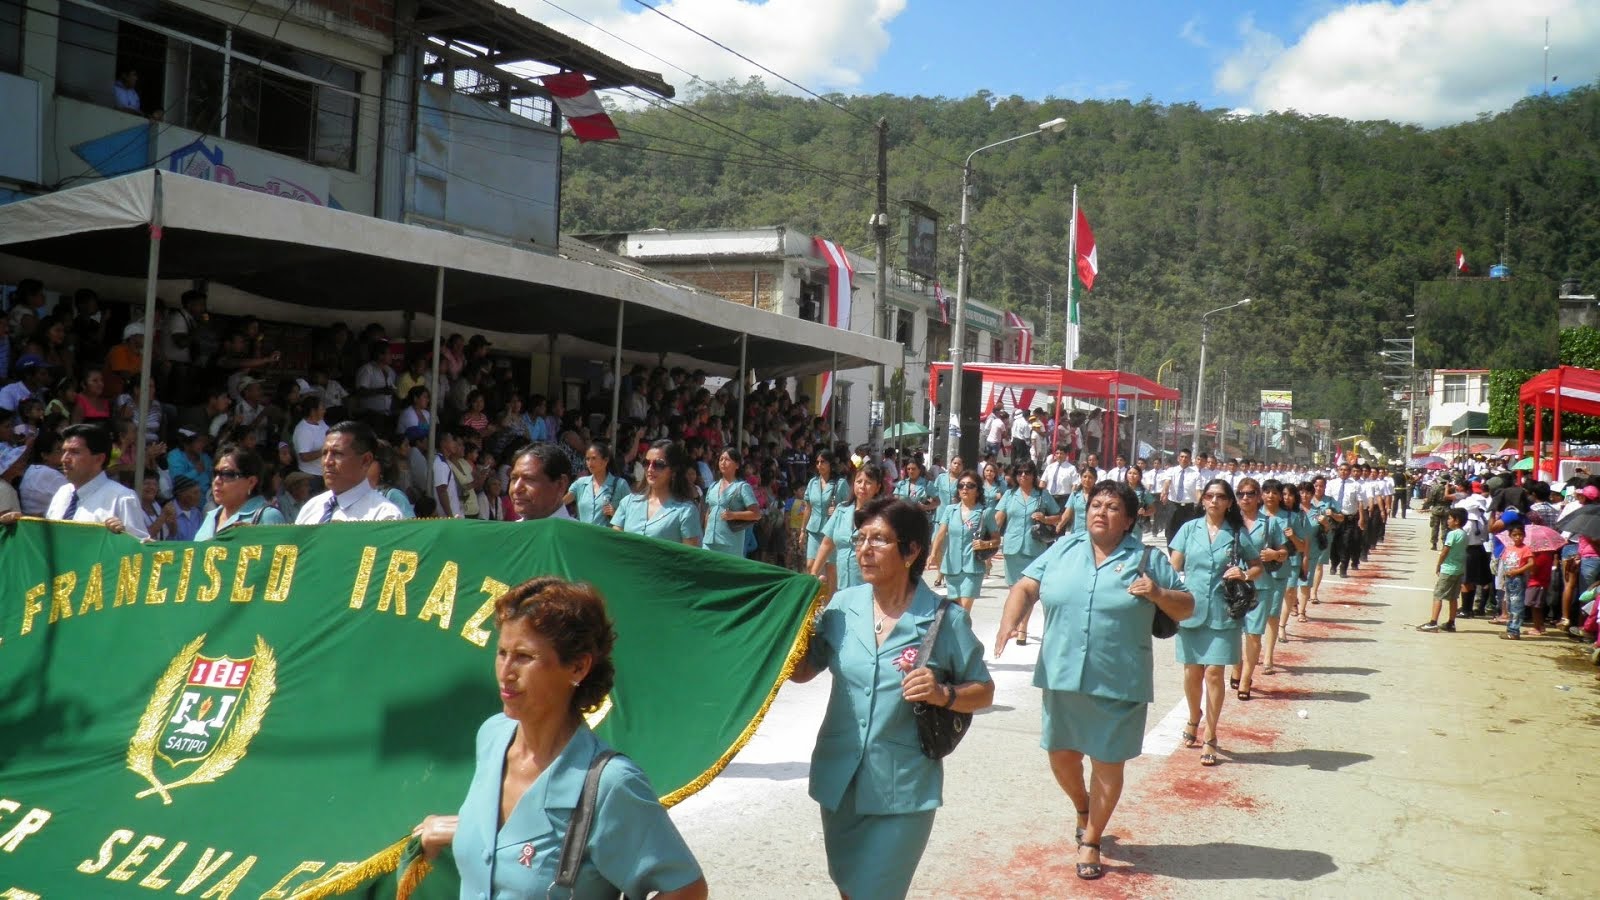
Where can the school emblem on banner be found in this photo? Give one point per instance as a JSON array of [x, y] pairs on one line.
[[201, 718]]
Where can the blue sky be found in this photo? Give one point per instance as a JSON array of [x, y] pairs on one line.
[[1431, 62]]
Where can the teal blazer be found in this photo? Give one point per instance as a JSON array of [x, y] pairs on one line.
[[633, 846], [868, 739], [676, 520], [1019, 510], [614, 491], [944, 487], [737, 497], [820, 497], [961, 529], [1203, 565], [1078, 502], [841, 529], [1096, 637], [913, 491]]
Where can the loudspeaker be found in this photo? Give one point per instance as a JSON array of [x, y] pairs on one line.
[[971, 441]]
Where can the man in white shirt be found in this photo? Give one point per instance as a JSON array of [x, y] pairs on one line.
[[1118, 472], [446, 488], [1180, 487], [540, 478], [1478, 574], [346, 457], [1350, 503], [1021, 437], [12, 461], [994, 432], [309, 436], [1231, 474], [375, 382], [1060, 476], [33, 376], [89, 495]]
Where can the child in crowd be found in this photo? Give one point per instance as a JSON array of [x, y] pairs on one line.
[[1452, 563], [1539, 578], [1515, 563]]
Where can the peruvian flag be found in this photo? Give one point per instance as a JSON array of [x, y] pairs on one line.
[[581, 106], [1461, 261], [1088, 262], [837, 313], [1024, 338], [944, 307]]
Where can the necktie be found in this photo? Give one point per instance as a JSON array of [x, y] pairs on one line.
[[327, 511], [1342, 484], [72, 506]]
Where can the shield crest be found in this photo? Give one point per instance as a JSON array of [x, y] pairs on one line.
[[201, 718]]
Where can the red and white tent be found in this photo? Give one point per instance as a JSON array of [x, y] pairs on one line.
[[1562, 389]]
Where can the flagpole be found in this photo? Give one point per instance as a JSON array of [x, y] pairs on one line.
[[1069, 351]]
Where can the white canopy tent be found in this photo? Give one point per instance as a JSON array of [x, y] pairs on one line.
[[163, 225]]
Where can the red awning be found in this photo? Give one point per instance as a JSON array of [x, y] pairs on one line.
[[1564, 389]]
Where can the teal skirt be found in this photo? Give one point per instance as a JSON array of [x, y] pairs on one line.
[[872, 857], [1015, 564], [1269, 602], [1100, 728], [1208, 646], [965, 584], [813, 544]]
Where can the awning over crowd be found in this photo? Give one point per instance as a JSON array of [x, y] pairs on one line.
[[1564, 389], [1470, 423], [308, 255]]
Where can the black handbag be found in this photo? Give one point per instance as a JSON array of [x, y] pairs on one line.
[[1240, 594], [1045, 533], [939, 729], [1162, 626]]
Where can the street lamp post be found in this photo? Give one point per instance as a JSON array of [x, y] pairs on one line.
[[959, 327], [1200, 377]]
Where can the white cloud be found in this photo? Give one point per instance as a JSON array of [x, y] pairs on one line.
[[1430, 62], [826, 45], [1190, 33]]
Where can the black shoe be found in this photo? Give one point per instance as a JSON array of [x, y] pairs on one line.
[[1448, 626]]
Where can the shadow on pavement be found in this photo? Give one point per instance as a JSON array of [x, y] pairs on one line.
[[1316, 639], [998, 707], [1298, 695], [1221, 860], [1351, 621], [1316, 760], [773, 771], [1329, 670]]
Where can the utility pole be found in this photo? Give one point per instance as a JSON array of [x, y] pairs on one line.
[[880, 231]]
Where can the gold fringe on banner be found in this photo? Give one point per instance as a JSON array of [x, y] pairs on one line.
[[381, 863]]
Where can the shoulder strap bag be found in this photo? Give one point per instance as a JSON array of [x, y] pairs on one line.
[[574, 845], [939, 729], [1162, 626], [1241, 594]]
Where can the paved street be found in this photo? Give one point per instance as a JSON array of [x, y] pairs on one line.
[[1444, 765]]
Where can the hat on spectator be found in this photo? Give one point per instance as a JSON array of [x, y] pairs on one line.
[[1590, 492], [31, 361], [183, 483], [1510, 515], [246, 381], [133, 329], [417, 433], [9, 457]]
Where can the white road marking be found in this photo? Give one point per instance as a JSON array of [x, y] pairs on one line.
[[1406, 587], [1163, 739]]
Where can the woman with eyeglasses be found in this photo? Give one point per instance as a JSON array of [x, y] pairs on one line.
[[235, 484], [663, 506], [877, 790], [1100, 588], [1072, 518], [836, 562], [1286, 507], [730, 506], [956, 528], [599, 493], [1208, 640], [823, 493], [1023, 508], [1257, 510]]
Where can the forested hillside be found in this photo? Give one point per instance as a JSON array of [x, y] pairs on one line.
[[1328, 224]]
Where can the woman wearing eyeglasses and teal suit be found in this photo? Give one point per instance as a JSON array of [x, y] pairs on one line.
[[663, 507], [957, 526]]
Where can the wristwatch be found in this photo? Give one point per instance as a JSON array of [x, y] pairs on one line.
[[950, 695]]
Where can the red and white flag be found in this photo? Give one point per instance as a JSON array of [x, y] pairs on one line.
[[837, 311], [581, 106], [944, 307], [1088, 261], [1461, 261], [1024, 337]]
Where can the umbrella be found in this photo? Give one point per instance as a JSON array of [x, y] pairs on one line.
[[1507, 451], [1585, 521], [1427, 460], [1480, 448], [1436, 466], [905, 429], [1451, 447], [1539, 537], [1524, 464]]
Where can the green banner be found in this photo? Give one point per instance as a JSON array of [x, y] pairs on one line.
[[275, 709]]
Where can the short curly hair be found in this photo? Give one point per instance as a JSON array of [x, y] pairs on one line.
[[572, 617]]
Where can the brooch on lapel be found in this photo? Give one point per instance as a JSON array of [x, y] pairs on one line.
[[1118, 569], [526, 856], [907, 659]]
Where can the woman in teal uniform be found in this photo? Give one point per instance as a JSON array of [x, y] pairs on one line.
[[663, 507], [956, 527], [994, 488], [1283, 503], [1072, 517], [1095, 661], [730, 506], [599, 493], [1019, 511], [1209, 639], [878, 792], [836, 560], [1134, 478], [235, 486], [823, 492], [913, 487], [1256, 509], [944, 487], [553, 663], [1319, 512]]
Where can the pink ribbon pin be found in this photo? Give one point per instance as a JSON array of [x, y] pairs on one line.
[[526, 856], [907, 660]]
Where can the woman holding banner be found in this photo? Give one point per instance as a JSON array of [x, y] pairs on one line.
[[877, 790], [553, 664]]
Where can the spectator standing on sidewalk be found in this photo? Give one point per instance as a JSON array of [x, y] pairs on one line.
[[1515, 564], [1449, 569]]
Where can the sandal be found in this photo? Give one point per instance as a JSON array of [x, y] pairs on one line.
[[1233, 683], [1190, 738], [1083, 814], [1244, 693], [1304, 618], [1022, 639], [1209, 757], [1268, 669], [1090, 871]]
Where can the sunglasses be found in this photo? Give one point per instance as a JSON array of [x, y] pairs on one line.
[[228, 474], [1214, 497], [1243, 494], [656, 464], [968, 484]]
